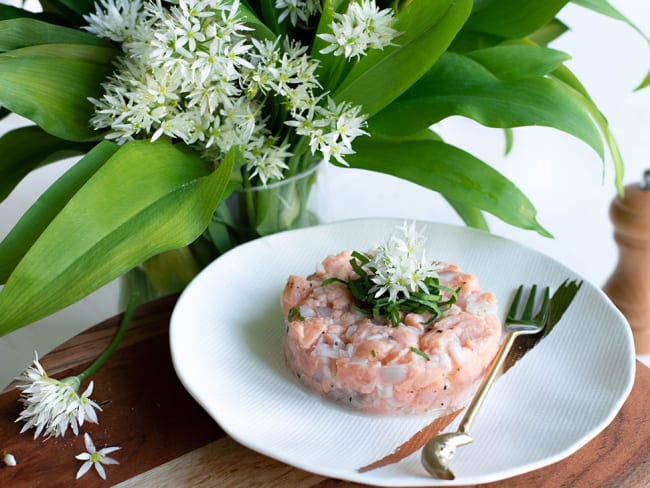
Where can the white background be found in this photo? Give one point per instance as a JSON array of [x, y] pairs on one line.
[[562, 176]]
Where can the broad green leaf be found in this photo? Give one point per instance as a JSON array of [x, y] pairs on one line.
[[466, 41], [80, 7], [269, 14], [100, 55], [249, 16], [17, 33], [110, 225], [50, 85], [382, 75], [517, 61], [458, 85], [27, 148], [510, 19], [549, 32], [471, 216], [605, 8], [326, 62], [10, 12], [564, 75], [457, 175], [16, 244], [71, 10]]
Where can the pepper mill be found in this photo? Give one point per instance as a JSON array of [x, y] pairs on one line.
[[629, 285]]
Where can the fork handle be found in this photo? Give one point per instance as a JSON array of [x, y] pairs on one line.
[[487, 382]]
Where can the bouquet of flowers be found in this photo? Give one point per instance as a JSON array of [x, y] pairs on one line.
[[177, 106]]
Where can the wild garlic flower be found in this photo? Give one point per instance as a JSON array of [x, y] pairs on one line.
[[363, 26], [296, 10], [115, 19], [8, 459], [190, 71], [51, 405], [93, 457], [401, 264]]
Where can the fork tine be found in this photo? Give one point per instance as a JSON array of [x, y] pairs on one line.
[[530, 303], [515, 303], [544, 309]]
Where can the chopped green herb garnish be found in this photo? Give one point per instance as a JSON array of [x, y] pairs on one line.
[[294, 314], [420, 353], [432, 300], [333, 279], [396, 278], [373, 353]]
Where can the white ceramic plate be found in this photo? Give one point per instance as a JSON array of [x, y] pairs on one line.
[[226, 340]]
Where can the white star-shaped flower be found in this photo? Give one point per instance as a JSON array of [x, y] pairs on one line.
[[93, 457]]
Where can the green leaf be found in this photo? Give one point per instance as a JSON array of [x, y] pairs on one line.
[[645, 82], [99, 55], [511, 62], [510, 138], [326, 62], [269, 15], [110, 225], [548, 33], [458, 85], [80, 7], [71, 10], [564, 75], [10, 12], [472, 216], [382, 75], [605, 8], [50, 85], [510, 19], [457, 175], [17, 33], [247, 15], [28, 148], [49, 204]]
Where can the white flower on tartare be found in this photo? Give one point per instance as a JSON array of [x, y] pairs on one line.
[[401, 266]]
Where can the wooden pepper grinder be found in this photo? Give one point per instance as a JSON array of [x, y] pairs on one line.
[[629, 286]]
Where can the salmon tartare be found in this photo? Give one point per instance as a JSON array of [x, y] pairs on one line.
[[420, 362]]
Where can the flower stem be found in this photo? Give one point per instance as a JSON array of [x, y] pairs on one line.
[[117, 338]]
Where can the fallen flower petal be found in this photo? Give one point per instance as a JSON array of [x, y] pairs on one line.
[[8, 458]]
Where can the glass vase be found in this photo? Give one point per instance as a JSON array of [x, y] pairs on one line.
[[259, 211]]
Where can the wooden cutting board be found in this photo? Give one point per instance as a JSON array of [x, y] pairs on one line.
[[168, 440]]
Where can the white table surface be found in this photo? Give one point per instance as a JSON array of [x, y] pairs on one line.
[[562, 176]]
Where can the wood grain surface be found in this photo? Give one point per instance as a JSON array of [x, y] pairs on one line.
[[167, 440]]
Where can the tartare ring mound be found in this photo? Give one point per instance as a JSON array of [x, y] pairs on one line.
[[361, 361]]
